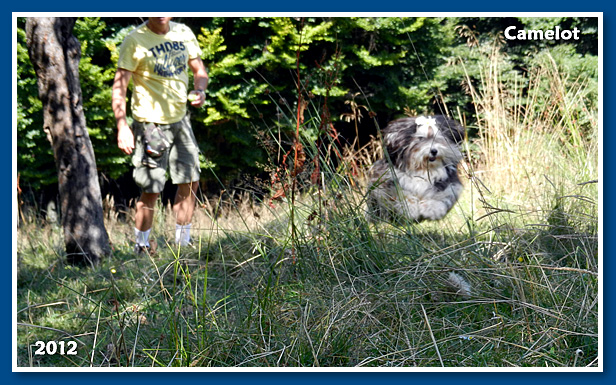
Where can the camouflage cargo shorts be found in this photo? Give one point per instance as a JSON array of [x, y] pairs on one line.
[[181, 159]]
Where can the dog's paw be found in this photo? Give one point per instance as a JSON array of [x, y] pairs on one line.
[[411, 208], [433, 210]]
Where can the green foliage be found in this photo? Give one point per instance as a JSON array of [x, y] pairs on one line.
[[509, 278], [578, 73], [392, 65], [96, 77], [35, 162], [253, 65]]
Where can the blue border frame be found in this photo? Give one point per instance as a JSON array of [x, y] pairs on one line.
[[320, 6]]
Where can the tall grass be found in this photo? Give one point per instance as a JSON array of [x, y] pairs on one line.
[[509, 278], [530, 135]]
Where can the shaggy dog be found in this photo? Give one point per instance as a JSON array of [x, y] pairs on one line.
[[420, 180]]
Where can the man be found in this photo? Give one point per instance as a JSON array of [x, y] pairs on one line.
[[156, 56]]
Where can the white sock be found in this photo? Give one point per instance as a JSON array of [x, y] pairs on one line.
[[182, 234], [142, 237]]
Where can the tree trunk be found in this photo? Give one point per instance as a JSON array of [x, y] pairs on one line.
[[55, 53]]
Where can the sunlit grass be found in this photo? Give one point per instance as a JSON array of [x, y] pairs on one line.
[[509, 278]]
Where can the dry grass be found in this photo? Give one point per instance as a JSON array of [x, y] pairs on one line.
[[508, 279]]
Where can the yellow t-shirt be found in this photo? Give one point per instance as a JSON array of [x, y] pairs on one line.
[[159, 65]]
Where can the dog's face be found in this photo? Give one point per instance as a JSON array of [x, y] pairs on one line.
[[423, 143]]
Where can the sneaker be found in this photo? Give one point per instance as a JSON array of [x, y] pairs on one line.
[[138, 250], [145, 250]]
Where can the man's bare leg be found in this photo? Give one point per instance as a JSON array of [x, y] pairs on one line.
[[144, 218], [183, 208]]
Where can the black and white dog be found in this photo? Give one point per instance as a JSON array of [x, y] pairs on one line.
[[420, 180]]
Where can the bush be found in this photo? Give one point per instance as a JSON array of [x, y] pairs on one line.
[[338, 67]]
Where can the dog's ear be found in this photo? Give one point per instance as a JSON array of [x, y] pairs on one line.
[[453, 130], [398, 136]]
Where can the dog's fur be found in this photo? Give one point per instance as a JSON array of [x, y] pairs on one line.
[[418, 177]]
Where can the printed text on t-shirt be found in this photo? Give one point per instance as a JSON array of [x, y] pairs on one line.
[[170, 58]]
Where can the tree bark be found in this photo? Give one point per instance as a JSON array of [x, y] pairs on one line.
[[55, 53]]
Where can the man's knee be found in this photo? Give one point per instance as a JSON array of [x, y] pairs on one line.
[[149, 199], [186, 189]]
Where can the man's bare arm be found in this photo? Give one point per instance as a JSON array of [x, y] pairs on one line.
[[201, 79], [126, 140]]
